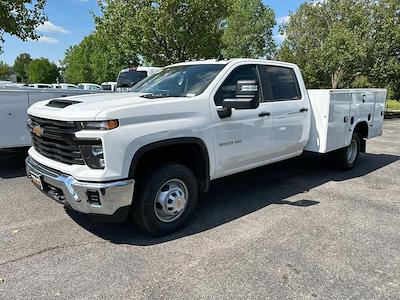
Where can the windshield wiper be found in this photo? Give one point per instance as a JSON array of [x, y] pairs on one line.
[[159, 95]]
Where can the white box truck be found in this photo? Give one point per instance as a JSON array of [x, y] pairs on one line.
[[147, 154], [14, 102]]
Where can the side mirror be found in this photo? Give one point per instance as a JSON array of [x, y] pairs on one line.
[[247, 96]]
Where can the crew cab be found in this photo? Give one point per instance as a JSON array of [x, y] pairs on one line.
[[148, 153]]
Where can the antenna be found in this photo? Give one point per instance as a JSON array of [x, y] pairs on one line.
[[220, 57]]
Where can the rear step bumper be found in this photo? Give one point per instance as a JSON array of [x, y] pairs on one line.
[[98, 199]]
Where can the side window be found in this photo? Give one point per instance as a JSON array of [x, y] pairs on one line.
[[140, 75], [279, 84], [228, 88]]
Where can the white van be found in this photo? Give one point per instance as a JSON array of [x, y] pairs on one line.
[[89, 86], [109, 86], [65, 86], [7, 84], [40, 86]]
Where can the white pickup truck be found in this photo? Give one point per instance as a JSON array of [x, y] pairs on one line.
[[148, 153]]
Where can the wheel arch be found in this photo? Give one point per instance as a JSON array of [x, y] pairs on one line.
[[362, 129], [189, 151]]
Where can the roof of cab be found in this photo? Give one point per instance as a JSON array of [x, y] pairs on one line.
[[231, 61], [140, 69]]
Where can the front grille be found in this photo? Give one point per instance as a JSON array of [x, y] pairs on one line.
[[56, 140]]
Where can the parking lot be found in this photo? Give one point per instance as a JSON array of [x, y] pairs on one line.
[[297, 229]]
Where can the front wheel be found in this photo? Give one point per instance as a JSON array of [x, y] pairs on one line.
[[345, 158], [165, 199]]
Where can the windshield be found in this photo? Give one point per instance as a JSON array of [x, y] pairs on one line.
[[180, 81], [130, 78]]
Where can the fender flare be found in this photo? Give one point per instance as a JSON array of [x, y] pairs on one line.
[[204, 185]]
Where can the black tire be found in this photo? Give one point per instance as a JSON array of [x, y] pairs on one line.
[[342, 159], [146, 211]]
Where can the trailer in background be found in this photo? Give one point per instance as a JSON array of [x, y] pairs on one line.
[[14, 103]]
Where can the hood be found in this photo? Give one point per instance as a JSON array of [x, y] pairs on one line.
[[87, 107]]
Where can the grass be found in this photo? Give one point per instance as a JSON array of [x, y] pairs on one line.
[[392, 105]]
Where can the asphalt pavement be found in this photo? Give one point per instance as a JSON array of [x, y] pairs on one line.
[[298, 229]]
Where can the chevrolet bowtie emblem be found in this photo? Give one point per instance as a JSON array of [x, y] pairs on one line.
[[37, 130]]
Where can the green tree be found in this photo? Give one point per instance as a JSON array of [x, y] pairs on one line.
[[41, 70], [93, 61], [117, 34], [361, 81], [20, 66], [163, 31], [248, 30], [77, 62], [20, 18], [5, 71], [341, 56], [327, 40], [106, 61], [384, 46]]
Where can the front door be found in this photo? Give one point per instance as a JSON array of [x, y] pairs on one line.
[[242, 140]]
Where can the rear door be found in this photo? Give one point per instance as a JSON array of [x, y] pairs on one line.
[[290, 110]]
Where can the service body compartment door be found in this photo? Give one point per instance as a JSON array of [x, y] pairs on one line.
[[338, 134], [331, 118], [378, 116], [362, 106]]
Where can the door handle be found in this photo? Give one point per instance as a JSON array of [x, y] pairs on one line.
[[303, 109], [264, 114]]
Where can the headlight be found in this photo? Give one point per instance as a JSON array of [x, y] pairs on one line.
[[93, 155], [100, 125]]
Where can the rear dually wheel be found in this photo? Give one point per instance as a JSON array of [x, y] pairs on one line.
[[346, 158]]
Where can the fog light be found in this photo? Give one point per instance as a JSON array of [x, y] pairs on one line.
[[97, 150], [93, 156]]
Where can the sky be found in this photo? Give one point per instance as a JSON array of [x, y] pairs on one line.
[[69, 21]]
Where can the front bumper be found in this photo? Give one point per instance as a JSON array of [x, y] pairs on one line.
[[111, 199]]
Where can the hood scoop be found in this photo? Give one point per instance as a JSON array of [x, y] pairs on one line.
[[61, 103]]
